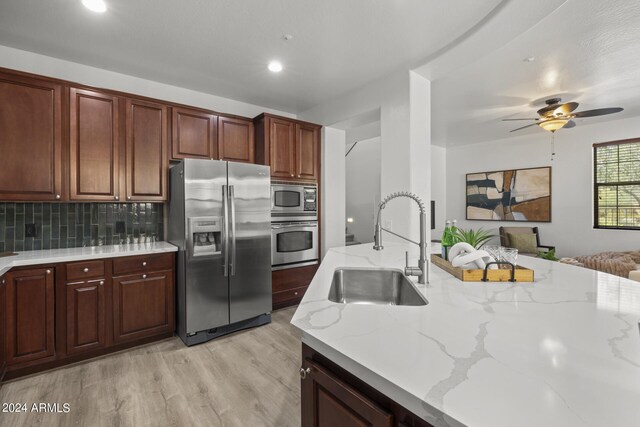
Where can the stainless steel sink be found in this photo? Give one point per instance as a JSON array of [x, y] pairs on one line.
[[373, 286]]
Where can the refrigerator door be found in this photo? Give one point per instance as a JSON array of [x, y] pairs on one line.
[[207, 288], [250, 240]]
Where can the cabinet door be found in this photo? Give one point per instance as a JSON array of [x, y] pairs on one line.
[[194, 134], [307, 143], [142, 305], [235, 140], [94, 144], [282, 148], [30, 315], [31, 139], [328, 401], [146, 151], [85, 316]]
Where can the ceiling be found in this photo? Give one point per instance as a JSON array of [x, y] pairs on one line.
[[585, 51], [223, 47]]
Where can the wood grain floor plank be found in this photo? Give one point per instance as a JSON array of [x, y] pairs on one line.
[[249, 378]]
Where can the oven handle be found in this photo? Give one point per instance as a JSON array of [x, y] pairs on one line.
[[299, 225]]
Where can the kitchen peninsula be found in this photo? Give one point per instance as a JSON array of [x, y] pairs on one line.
[[562, 351]]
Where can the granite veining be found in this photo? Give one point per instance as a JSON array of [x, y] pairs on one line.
[[563, 351], [52, 256]]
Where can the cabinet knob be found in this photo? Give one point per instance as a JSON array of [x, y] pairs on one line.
[[295, 293], [304, 372], [86, 269], [116, 198], [128, 197], [101, 282], [144, 263], [292, 175], [144, 276], [57, 197], [3, 282], [48, 271]]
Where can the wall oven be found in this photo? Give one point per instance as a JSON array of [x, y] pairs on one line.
[[294, 202], [294, 244]]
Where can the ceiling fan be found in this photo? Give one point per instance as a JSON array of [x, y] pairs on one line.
[[558, 116]]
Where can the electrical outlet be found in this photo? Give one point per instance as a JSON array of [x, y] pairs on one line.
[[120, 227], [30, 230]]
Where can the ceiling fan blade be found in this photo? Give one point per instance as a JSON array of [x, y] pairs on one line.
[[570, 124], [565, 109], [509, 120], [598, 112], [524, 127]]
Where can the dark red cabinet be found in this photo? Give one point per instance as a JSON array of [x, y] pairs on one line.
[[86, 315]]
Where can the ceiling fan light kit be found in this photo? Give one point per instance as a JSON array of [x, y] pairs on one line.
[[557, 116]]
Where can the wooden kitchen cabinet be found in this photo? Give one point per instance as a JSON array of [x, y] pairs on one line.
[[31, 138], [146, 151], [328, 401], [290, 147], [194, 134], [3, 326], [86, 315], [143, 305], [332, 396], [236, 139], [30, 333], [94, 144]]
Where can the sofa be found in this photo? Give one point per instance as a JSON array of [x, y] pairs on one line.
[[623, 264]]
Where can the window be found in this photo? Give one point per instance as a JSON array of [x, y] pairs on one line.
[[617, 184]]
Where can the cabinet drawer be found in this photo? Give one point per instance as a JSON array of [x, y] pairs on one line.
[[85, 270], [291, 278], [291, 296], [142, 263]]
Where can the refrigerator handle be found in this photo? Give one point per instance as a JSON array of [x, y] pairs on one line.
[[225, 231], [232, 202]]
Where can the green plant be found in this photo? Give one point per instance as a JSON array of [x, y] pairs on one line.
[[550, 255], [476, 238]]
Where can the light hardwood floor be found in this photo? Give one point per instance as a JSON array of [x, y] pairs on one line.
[[246, 379]]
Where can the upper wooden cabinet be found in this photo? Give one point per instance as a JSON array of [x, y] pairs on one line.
[[290, 147], [146, 151], [94, 143], [30, 330], [30, 138], [194, 134], [235, 139]]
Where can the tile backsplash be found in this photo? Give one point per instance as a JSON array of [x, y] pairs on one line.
[[71, 225]]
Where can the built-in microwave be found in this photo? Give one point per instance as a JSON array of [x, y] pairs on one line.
[[294, 202]]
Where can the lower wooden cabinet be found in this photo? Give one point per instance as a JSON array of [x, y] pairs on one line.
[[30, 322], [332, 396], [289, 285], [63, 313], [86, 316], [142, 305]]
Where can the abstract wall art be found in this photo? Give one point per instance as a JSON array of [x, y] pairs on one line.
[[510, 195]]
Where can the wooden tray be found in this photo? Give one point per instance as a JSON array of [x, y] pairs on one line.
[[502, 275]]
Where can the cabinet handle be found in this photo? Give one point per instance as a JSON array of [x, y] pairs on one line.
[[128, 197], [304, 372], [101, 282], [57, 197], [116, 198], [48, 271], [144, 263], [86, 269], [3, 282], [295, 293], [292, 175], [144, 276]]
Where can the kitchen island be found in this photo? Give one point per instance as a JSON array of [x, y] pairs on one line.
[[562, 351]]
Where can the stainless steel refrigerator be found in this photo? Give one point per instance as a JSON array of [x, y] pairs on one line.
[[219, 217]]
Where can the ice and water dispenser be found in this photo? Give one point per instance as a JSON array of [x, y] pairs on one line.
[[206, 235]]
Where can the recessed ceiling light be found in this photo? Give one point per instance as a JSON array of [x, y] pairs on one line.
[[275, 66], [95, 5], [529, 59]]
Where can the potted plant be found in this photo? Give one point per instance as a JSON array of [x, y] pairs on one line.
[[476, 238]]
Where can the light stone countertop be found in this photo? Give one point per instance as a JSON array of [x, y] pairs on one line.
[[563, 351], [51, 256]]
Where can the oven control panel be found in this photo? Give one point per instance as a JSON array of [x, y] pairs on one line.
[[310, 199]]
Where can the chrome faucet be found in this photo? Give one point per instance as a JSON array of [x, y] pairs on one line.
[[422, 270]]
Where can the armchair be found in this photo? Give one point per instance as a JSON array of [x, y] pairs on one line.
[[505, 241]]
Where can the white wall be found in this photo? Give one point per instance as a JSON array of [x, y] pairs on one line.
[[52, 67], [439, 187], [571, 229], [363, 188], [332, 201], [404, 102]]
